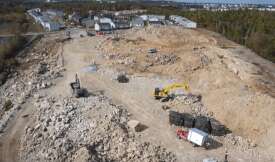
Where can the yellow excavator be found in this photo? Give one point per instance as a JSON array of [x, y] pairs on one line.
[[164, 94]]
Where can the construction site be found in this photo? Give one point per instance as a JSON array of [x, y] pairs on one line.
[[158, 93]]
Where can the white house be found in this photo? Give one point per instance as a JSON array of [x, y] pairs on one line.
[[52, 26], [137, 22], [103, 28], [153, 17], [109, 21], [183, 21]]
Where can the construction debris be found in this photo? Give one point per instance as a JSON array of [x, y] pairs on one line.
[[64, 131], [208, 125]]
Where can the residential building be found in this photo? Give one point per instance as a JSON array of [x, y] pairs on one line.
[[55, 13], [137, 22], [182, 21], [75, 17], [103, 28], [122, 25], [52, 26], [44, 19], [105, 20], [153, 17], [88, 22]]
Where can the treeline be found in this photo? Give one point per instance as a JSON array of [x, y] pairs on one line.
[[14, 20], [8, 49], [254, 29], [251, 28]]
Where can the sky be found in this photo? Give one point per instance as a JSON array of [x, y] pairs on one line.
[[231, 1]]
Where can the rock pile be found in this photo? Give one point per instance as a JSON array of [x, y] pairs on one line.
[[38, 68], [164, 59], [90, 129], [194, 101]]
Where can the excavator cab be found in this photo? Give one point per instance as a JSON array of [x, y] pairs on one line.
[[164, 94], [157, 93]]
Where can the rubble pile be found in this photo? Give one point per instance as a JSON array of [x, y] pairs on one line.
[[33, 74], [165, 59], [119, 59], [90, 129], [242, 143], [194, 101]]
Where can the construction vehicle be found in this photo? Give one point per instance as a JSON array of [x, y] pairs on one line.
[[195, 136], [152, 50], [164, 94], [77, 91]]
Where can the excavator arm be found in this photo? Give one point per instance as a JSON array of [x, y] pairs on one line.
[[164, 92]]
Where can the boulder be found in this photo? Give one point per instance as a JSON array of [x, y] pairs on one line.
[[135, 125]]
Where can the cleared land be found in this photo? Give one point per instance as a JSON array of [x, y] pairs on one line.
[[236, 85]]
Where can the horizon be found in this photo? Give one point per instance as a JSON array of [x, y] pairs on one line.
[[259, 2]]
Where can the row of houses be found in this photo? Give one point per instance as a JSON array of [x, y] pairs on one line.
[[107, 21], [45, 19]]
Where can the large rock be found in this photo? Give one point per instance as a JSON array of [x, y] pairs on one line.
[[135, 125]]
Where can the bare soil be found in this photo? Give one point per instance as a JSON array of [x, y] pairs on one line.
[[236, 85]]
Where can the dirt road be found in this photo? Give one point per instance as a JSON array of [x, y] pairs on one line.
[[10, 140]]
